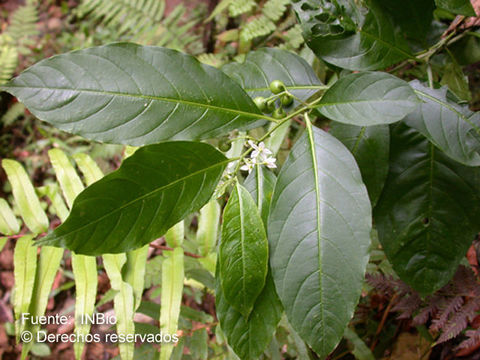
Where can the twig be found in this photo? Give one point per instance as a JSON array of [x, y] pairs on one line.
[[168, 248], [382, 322]]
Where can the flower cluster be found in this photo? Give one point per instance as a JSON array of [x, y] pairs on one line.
[[260, 156]]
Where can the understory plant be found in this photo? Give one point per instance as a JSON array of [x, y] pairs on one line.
[[368, 148]]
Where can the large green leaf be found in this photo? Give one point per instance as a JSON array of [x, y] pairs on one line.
[[350, 36], [427, 215], [243, 259], [172, 290], [319, 233], [414, 17], [260, 184], [370, 147], [368, 98], [250, 337], [132, 94], [460, 7], [8, 222], [25, 197], [153, 190], [451, 127], [263, 66]]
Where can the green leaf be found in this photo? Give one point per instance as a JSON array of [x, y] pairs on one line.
[[456, 81], [25, 197], [428, 213], [276, 139], [250, 337], [47, 268], [263, 66], [414, 17], [88, 167], [208, 222], [368, 98], [135, 95], [85, 273], [84, 267], [460, 7], [174, 236], [360, 349], [123, 302], [243, 253], [351, 36], [134, 272], [67, 177], [260, 184], [370, 147], [25, 267], [172, 289], [198, 344], [453, 128], [162, 182], [319, 234], [8, 222]]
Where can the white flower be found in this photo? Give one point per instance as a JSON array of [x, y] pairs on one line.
[[270, 162], [249, 164], [259, 151], [260, 156]]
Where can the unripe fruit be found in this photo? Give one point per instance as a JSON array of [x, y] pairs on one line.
[[279, 113], [277, 86], [261, 103], [270, 106], [286, 100]]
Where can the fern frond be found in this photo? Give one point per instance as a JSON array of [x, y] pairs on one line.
[[264, 24], [23, 27], [239, 7], [216, 60], [13, 113], [8, 58], [459, 320], [141, 21], [257, 27], [450, 306], [293, 38], [275, 9]]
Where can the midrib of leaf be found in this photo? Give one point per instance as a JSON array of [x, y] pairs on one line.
[[151, 193], [292, 87], [357, 101], [242, 241], [451, 108], [317, 204], [359, 139], [259, 188], [147, 97], [385, 43], [430, 194]]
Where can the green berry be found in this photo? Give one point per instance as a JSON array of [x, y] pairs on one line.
[[261, 103], [286, 100], [270, 106], [279, 113], [224, 146], [277, 86]]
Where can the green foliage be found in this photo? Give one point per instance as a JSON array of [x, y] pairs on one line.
[[370, 146], [351, 36], [319, 259], [243, 252], [142, 21], [23, 27], [442, 198], [405, 149], [8, 58], [175, 107]]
